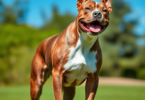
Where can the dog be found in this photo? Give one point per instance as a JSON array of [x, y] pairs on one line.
[[74, 55]]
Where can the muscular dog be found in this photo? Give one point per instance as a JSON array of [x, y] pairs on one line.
[[74, 55]]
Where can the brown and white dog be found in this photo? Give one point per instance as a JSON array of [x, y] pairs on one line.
[[74, 55]]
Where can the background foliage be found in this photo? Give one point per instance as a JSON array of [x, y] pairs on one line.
[[122, 56]]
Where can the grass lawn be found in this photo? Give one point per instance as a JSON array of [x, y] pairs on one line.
[[104, 93]]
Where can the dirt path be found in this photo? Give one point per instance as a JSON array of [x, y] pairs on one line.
[[120, 81]]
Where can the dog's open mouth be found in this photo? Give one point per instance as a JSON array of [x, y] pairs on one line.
[[93, 27]]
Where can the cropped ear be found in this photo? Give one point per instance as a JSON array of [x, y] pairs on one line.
[[108, 5], [80, 2]]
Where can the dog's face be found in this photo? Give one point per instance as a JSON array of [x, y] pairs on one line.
[[93, 17]]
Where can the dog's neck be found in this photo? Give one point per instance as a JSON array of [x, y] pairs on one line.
[[86, 40], [82, 39]]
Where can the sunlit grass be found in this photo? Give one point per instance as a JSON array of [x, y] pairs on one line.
[[104, 93]]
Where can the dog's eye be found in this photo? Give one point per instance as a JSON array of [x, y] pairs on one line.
[[104, 10], [87, 8]]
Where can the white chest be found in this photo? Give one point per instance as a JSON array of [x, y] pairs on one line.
[[81, 62]]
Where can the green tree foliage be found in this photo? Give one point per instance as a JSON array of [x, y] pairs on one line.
[[17, 43], [13, 14], [58, 21], [118, 42]]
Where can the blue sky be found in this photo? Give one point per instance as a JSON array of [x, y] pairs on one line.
[[137, 13], [36, 6]]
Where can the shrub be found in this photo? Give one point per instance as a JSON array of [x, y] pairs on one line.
[[129, 73], [141, 74], [105, 72]]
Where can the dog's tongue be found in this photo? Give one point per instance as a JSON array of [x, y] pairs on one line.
[[95, 29]]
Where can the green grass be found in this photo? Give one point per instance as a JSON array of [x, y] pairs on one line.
[[104, 93]]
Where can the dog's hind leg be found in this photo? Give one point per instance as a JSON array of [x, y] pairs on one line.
[[69, 93], [39, 74]]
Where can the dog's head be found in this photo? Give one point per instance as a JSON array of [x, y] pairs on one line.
[[93, 17]]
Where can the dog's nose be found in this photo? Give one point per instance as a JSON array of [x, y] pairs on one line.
[[97, 14]]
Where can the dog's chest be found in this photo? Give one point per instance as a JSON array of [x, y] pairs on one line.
[[81, 62]]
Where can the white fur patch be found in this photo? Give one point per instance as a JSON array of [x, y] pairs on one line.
[[81, 61], [96, 10]]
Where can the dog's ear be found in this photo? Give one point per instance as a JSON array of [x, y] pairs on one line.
[[80, 2], [108, 5]]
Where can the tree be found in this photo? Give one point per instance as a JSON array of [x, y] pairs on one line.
[[16, 44], [59, 22], [13, 14], [118, 42]]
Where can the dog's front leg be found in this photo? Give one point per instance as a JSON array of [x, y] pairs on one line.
[[57, 84], [91, 86]]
